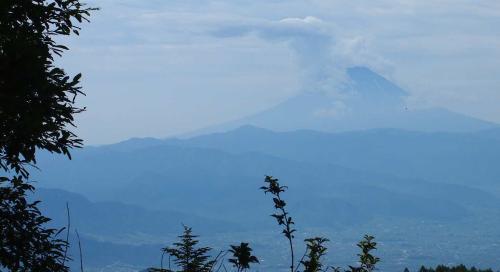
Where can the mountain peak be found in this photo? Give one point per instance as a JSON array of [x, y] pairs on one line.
[[367, 101], [368, 83]]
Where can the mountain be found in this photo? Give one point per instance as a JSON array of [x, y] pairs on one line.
[[493, 133], [115, 221], [192, 180], [341, 185], [469, 159], [366, 101], [116, 236], [105, 256]]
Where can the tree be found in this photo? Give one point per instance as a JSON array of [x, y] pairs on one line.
[[37, 107], [242, 257], [25, 244], [315, 251], [187, 256], [37, 99], [366, 259], [458, 268]]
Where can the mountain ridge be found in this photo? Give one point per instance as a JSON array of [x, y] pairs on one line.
[[191, 176]]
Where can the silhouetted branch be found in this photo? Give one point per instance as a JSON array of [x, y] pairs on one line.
[[282, 217], [80, 249], [220, 266], [161, 261], [219, 256], [301, 260], [67, 233]]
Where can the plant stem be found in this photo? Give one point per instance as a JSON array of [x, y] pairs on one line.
[[289, 236]]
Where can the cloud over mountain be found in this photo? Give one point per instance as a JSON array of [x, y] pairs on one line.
[[321, 54]]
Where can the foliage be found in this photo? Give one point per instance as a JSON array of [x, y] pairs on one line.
[[36, 97], [25, 244], [315, 251], [458, 268], [366, 259], [315, 246], [36, 110], [187, 256], [282, 216], [242, 257]]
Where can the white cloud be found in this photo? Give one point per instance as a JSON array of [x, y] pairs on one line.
[[321, 53]]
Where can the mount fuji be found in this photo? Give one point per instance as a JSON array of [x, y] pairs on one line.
[[366, 101]]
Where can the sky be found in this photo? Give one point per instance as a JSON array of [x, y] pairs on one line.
[[160, 68]]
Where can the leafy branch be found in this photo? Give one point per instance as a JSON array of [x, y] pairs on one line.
[[282, 216]]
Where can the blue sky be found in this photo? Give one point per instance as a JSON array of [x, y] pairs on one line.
[[164, 67]]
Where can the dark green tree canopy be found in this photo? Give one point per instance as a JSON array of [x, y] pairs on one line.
[[315, 251], [36, 97], [25, 242], [242, 257], [458, 268], [37, 107], [187, 256]]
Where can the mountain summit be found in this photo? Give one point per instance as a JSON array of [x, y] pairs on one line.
[[372, 85], [366, 101]]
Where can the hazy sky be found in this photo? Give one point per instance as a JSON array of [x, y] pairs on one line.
[[164, 67]]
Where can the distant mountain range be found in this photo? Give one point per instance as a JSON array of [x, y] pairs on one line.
[[114, 221], [348, 180], [113, 233], [366, 101], [394, 165], [460, 158], [426, 182]]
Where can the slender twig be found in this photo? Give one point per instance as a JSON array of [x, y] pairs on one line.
[[220, 266], [67, 233], [80, 248], [300, 262], [288, 231], [221, 258], [161, 262]]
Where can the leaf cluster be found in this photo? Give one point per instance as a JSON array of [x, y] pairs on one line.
[[281, 215], [242, 257], [315, 247], [37, 108], [36, 97], [458, 268], [187, 256], [366, 259], [25, 243]]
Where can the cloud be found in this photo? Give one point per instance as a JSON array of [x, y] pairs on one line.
[[321, 52], [310, 38]]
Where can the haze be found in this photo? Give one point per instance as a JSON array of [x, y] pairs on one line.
[[163, 68]]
